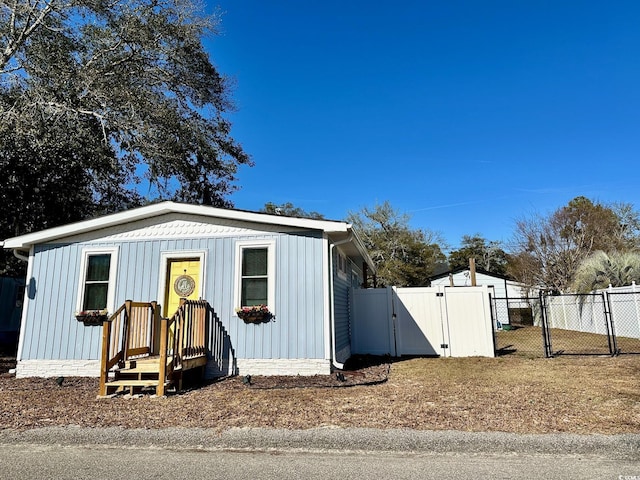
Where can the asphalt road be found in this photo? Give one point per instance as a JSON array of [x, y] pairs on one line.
[[35, 462], [78, 453]]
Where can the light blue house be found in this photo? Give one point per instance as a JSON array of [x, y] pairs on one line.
[[302, 269]]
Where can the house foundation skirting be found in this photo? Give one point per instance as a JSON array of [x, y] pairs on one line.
[[265, 366], [283, 366], [58, 368]]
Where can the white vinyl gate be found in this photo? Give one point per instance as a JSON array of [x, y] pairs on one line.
[[444, 321]]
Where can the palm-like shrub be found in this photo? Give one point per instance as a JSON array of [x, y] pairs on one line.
[[603, 269]]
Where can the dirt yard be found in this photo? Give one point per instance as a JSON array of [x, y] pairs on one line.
[[581, 395]]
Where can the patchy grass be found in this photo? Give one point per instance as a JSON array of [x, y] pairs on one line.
[[582, 395], [628, 345], [525, 341]]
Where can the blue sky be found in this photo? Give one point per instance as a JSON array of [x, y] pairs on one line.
[[465, 114]]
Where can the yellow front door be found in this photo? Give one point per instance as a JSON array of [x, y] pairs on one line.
[[183, 281]]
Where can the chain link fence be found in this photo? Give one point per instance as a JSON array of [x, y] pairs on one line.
[[605, 323]]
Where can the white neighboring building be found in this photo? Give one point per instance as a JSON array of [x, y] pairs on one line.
[[510, 299], [503, 286]]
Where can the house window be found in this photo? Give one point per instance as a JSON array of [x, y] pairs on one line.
[[342, 266], [97, 280], [255, 270], [356, 282], [255, 278]]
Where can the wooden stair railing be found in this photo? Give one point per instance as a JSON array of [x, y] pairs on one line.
[[136, 331], [131, 332], [184, 335]]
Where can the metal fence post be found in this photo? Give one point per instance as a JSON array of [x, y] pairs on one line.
[[546, 337], [494, 323], [611, 333]]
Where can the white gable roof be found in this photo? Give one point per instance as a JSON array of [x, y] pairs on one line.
[[336, 230]]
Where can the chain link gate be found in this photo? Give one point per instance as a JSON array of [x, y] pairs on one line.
[[519, 326], [578, 324]]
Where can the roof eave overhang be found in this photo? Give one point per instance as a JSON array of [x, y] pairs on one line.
[[357, 245], [52, 234]]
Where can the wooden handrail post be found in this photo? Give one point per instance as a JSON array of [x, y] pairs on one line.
[[126, 330], [155, 328], [162, 372], [178, 352], [104, 360]]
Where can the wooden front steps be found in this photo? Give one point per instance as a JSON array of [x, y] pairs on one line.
[[122, 385], [144, 365], [144, 373], [142, 349], [136, 374]]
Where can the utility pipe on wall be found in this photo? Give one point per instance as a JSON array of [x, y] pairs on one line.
[[19, 256]]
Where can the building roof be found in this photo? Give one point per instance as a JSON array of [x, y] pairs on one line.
[[464, 269], [337, 231]]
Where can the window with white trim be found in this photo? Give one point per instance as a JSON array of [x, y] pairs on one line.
[[255, 267], [97, 279]]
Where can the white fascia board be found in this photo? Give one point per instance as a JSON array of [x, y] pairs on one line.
[[255, 217], [25, 241]]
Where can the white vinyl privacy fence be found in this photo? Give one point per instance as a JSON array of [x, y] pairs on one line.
[[443, 321], [611, 311]]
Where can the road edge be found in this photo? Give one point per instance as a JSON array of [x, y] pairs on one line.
[[625, 446]]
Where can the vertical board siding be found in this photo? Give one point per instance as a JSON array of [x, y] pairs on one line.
[[341, 306], [52, 332], [372, 319], [58, 348]]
